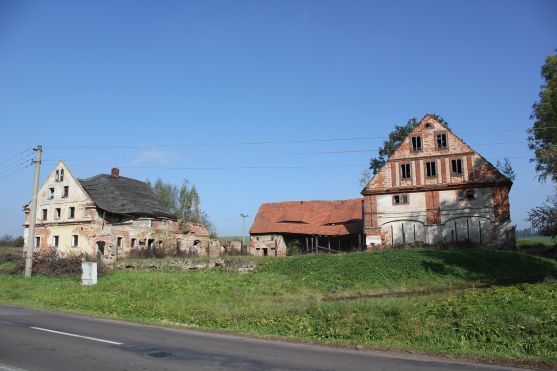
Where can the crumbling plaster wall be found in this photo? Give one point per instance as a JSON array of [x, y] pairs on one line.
[[273, 243]]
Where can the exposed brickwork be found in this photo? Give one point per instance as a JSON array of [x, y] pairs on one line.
[[448, 197]]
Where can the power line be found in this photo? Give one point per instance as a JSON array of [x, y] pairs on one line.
[[16, 155], [5, 175]]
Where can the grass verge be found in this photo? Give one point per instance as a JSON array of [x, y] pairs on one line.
[[285, 298]]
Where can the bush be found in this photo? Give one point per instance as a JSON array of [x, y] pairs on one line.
[[294, 247], [52, 265]]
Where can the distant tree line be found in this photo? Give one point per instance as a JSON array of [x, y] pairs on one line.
[[10, 241], [184, 202]]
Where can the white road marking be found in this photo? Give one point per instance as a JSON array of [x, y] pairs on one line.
[[77, 336]]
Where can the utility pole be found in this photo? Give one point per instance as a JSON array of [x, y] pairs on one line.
[[33, 216], [244, 216]]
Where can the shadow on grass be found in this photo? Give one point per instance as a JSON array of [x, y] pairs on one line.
[[489, 266]]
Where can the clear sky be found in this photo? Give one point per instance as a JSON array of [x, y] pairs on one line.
[[157, 88]]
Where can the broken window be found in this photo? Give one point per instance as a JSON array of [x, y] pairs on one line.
[[62, 175], [466, 195], [431, 168], [456, 166], [57, 213], [57, 177], [71, 212], [75, 240], [133, 243], [405, 171], [441, 140], [118, 241], [50, 193], [37, 242], [151, 243], [55, 240], [400, 199], [66, 191], [44, 216], [416, 143]]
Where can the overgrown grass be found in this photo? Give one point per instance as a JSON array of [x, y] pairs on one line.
[[285, 297]]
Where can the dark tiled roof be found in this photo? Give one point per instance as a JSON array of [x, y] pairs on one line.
[[328, 218], [121, 195]]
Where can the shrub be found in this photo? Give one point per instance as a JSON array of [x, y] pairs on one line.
[[294, 247], [52, 265]]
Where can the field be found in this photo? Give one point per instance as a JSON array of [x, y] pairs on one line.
[[470, 303]]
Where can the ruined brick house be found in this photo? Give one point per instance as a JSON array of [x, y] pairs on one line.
[[435, 189], [108, 216], [318, 226]]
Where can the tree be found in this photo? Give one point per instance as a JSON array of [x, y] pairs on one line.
[[506, 168], [184, 202], [542, 137], [544, 218], [394, 140]]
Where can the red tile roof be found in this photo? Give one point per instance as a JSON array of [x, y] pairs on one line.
[[330, 218]]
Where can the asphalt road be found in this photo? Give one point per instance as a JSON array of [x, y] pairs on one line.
[[40, 340]]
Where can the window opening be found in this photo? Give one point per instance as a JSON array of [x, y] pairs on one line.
[[55, 240], [71, 212], [405, 171], [441, 140], [416, 143], [431, 168], [45, 214], [75, 240], [50, 193], [57, 213], [400, 199], [66, 191], [457, 166]]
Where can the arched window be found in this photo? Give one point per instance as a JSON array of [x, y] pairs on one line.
[[57, 177], [62, 175]]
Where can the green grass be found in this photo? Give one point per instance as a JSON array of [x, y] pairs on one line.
[[535, 240], [286, 298]]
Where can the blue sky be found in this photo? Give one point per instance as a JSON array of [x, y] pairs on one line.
[[170, 89]]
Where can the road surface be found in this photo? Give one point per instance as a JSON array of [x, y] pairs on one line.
[[41, 340]]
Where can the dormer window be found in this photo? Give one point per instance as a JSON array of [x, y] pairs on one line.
[[416, 143], [62, 175], [50, 193]]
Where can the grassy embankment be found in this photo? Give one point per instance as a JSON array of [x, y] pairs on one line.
[[327, 298]]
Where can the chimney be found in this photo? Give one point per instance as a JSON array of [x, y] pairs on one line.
[[115, 171]]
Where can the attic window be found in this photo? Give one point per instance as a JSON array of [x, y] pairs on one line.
[[416, 143], [456, 166], [405, 171], [50, 193], [430, 168], [441, 140], [428, 125], [62, 175], [57, 177]]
